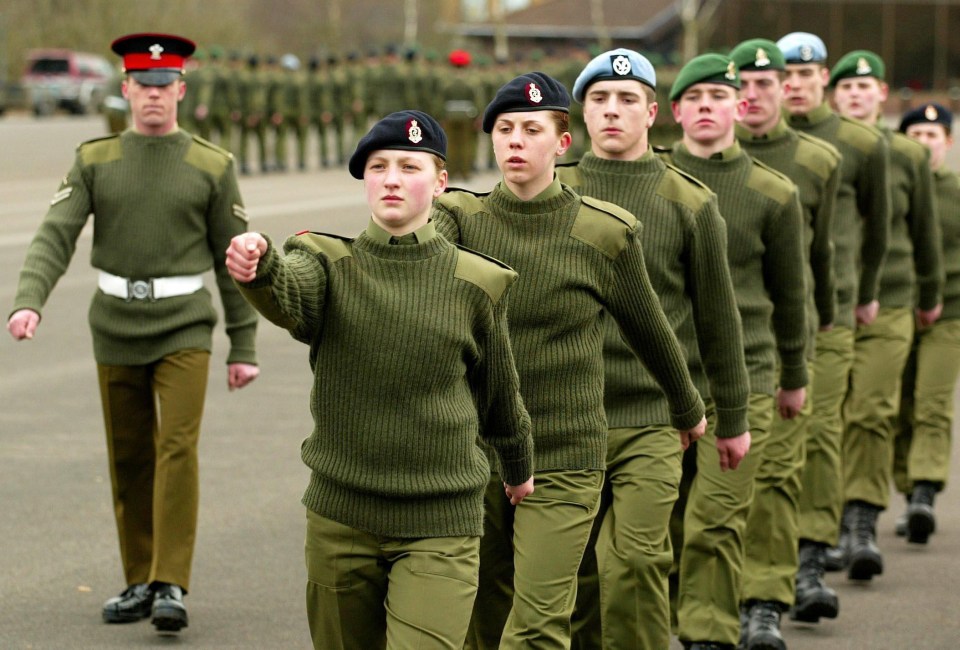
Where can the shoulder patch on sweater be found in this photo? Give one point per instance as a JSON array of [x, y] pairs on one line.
[[466, 200], [333, 247], [100, 150], [910, 148], [491, 275], [680, 187], [603, 226], [860, 136], [771, 183], [208, 157], [815, 158], [569, 174]]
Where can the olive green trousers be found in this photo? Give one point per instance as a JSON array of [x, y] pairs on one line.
[[770, 563], [821, 493], [923, 442], [366, 592], [623, 592], [529, 558], [872, 407], [713, 508], [152, 415]]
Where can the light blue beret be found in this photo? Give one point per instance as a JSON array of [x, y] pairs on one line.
[[802, 47], [620, 63]]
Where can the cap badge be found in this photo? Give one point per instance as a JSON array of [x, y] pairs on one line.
[[621, 65], [806, 53], [761, 60], [931, 113], [534, 94], [731, 72], [414, 133], [155, 51], [863, 68]]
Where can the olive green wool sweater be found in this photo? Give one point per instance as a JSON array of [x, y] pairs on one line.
[[412, 361], [163, 206], [814, 167], [861, 220], [579, 261], [685, 250], [764, 247], [947, 190], [913, 271]]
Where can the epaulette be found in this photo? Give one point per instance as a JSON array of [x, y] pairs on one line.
[[820, 142], [770, 182], [859, 135], [569, 174], [100, 150], [816, 155], [488, 273], [334, 247], [909, 147], [661, 149], [484, 256], [603, 226], [210, 145], [612, 209], [208, 157], [682, 187], [467, 200]]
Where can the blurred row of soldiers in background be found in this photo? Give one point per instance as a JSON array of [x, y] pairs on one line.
[[257, 107]]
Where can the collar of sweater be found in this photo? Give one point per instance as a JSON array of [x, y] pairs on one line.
[[421, 235], [729, 156], [423, 249], [502, 200], [645, 164], [777, 132], [817, 115], [175, 137]]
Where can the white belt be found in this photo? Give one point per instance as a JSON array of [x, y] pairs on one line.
[[152, 289]]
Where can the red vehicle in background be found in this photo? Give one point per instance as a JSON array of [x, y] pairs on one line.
[[59, 78]]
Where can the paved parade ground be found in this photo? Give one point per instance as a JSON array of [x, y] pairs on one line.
[[58, 550]]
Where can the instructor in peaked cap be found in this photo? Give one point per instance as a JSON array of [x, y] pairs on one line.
[[151, 317]]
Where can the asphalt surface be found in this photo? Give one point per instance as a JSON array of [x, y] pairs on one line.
[[58, 550]]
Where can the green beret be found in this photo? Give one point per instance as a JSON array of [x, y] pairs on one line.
[[758, 54], [706, 68], [859, 63]]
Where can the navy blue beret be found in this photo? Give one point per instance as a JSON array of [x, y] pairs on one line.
[[405, 130], [927, 114], [533, 91]]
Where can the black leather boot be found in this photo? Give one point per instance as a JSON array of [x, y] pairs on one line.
[[920, 520], [837, 558], [814, 599], [865, 558], [763, 626], [169, 612], [133, 604]]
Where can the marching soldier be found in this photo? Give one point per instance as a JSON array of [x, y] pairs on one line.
[[460, 116]]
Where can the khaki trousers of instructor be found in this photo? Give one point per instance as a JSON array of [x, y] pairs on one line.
[[714, 515], [821, 493], [872, 407], [529, 557], [623, 592], [770, 563], [152, 415], [366, 591], [922, 445]]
